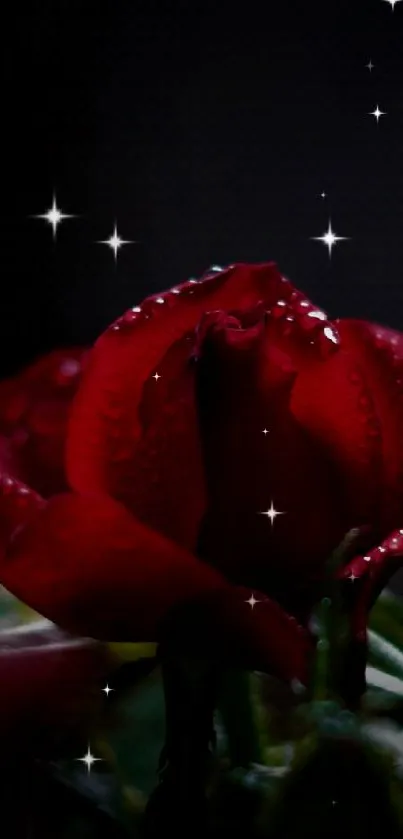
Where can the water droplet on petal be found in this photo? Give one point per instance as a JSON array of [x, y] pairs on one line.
[[328, 341], [128, 318], [317, 314], [279, 309], [69, 368], [331, 335]]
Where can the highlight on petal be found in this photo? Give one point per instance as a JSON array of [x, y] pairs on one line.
[[85, 563], [34, 406]]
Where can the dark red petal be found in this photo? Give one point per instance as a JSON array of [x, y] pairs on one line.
[[379, 354], [263, 636], [64, 675], [33, 415], [333, 402], [45, 379], [90, 567], [8, 461], [388, 556], [299, 328], [366, 576], [18, 506], [245, 385], [106, 424], [162, 479]]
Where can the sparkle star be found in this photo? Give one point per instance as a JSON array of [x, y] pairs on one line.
[[352, 577], [323, 195], [370, 65], [156, 376], [377, 113], [272, 513], [115, 242], [265, 431], [107, 690], [392, 3], [252, 601], [329, 238], [88, 759], [53, 216]]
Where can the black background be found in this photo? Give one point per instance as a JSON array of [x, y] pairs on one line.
[[208, 134]]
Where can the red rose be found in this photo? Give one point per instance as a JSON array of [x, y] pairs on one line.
[[34, 407], [172, 473]]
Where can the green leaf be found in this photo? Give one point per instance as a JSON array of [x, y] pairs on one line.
[[384, 655], [386, 618]]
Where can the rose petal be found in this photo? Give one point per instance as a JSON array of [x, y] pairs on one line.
[[33, 414], [18, 506], [87, 565], [8, 461], [106, 423], [163, 480], [244, 389], [379, 353], [332, 401]]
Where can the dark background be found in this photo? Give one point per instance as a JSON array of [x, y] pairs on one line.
[[209, 134]]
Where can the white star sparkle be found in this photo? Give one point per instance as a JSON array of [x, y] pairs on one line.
[[392, 3], [265, 431], [377, 113], [370, 65], [272, 513], [107, 690], [252, 601], [323, 195], [115, 242], [156, 376], [88, 759], [352, 577], [54, 216], [329, 238]]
